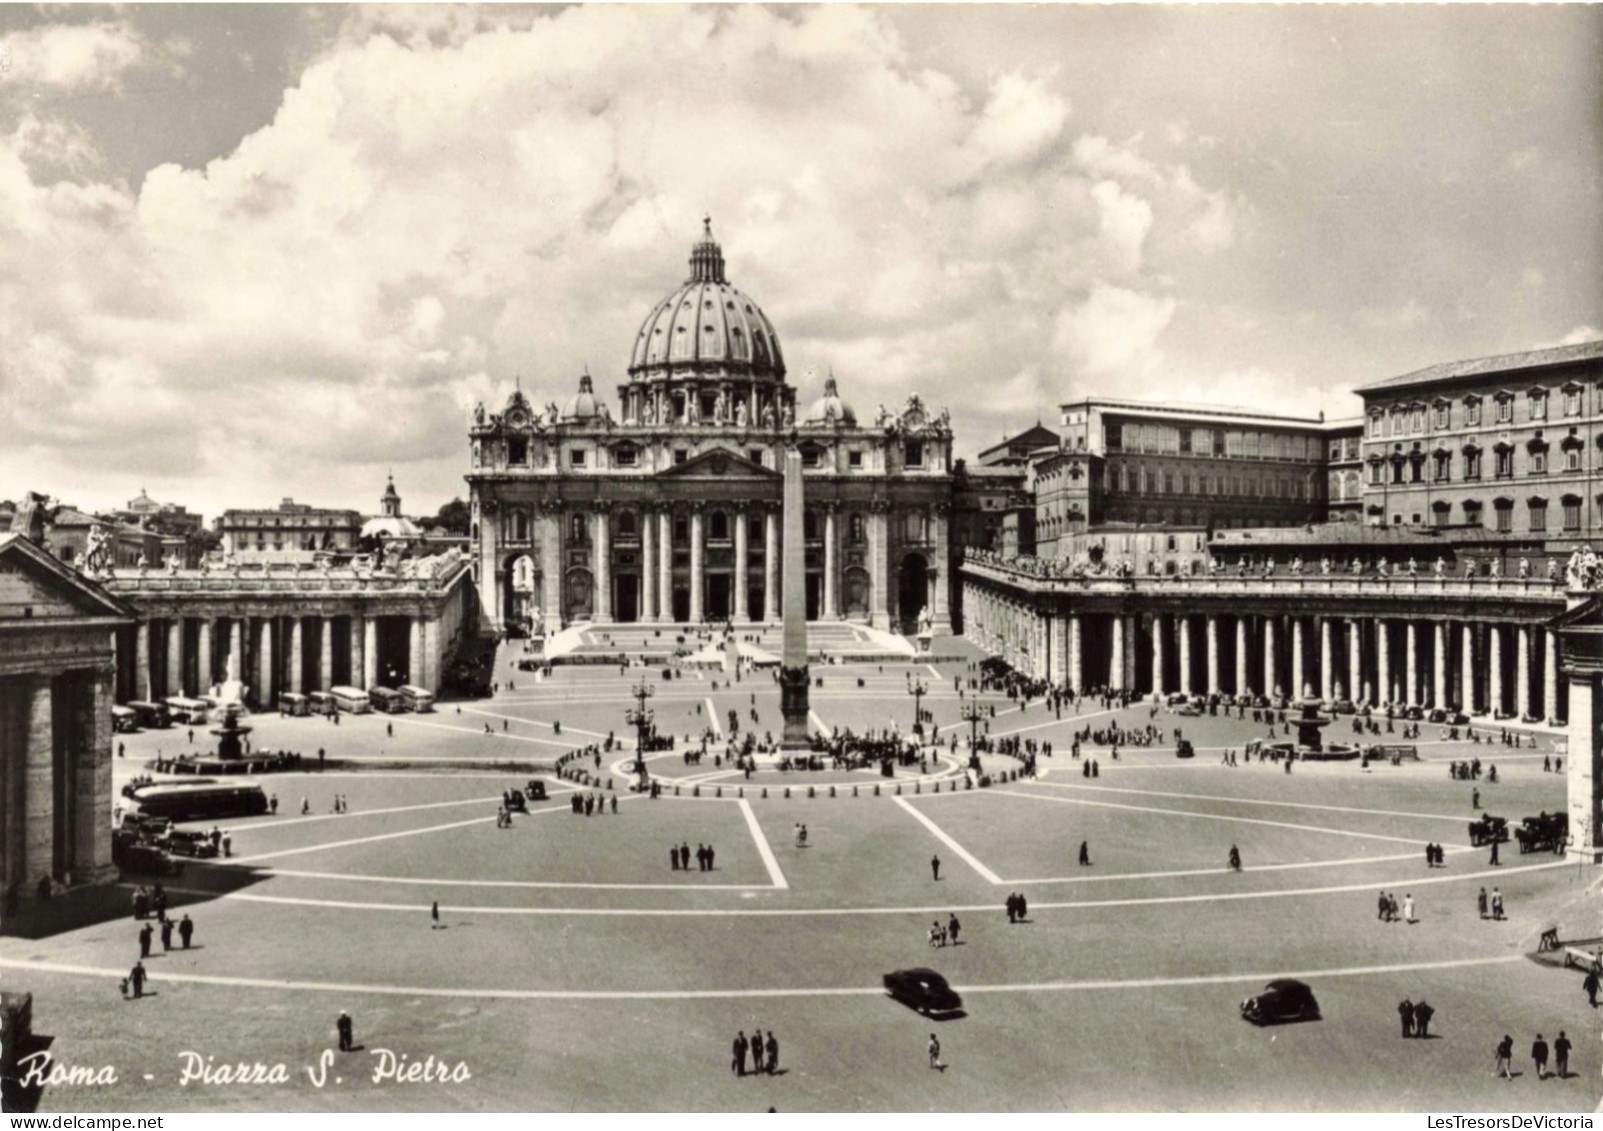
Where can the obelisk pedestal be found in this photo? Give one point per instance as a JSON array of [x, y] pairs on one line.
[[793, 678]]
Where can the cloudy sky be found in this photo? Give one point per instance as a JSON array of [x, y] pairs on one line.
[[255, 252]]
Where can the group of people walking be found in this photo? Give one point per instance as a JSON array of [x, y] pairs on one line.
[[679, 857], [764, 1053], [1539, 1054]]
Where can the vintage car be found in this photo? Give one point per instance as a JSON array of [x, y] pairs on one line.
[[134, 856], [534, 790], [1177, 697], [188, 842], [1184, 749], [923, 990], [1193, 708], [1487, 830], [1282, 999]]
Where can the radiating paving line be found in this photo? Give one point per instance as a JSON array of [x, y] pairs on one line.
[[530, 722], [764, 849], [366, 839], [941, 835], [1256, 801], [162, 978], [1368, 887], [712, 717], [1208, 816], [271, 823], [503, 735]]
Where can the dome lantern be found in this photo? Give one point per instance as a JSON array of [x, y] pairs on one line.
[[706, 258]]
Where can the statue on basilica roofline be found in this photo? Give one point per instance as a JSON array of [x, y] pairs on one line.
[[740, 414], [478, 413], [1581, 572], [1439, 566], [790, 415], [720, 407], [1525, 568], [692, 409], [768, 416], [1552, 569]]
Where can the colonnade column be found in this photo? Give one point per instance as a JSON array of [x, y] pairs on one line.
[[1383, 688], [771, 566], [236, 650], [1298, 673], [603, 572], [880, 572], [142, 688], [297, 650], [1466, 672], [1076, 671], [1116, 661], [1411, 695], [1241, 655], [1327, 673], [264, 667], [1439, 676], [1526, 644], [1159, 626], [358, 647], [1184, 622], [1355, 661], [1212, 631], [369, 653], [414, 654], [551, 570], [742, 568], [325, 652], [648, 566], [1550, 675], [1494, 664], [696, 563], [829, 610], [205, 667], [1269, 655], [175, 656], [665, 566]]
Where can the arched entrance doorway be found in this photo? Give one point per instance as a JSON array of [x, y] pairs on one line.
[[912, 591], [579, 600], [855, 590], [521, 594]]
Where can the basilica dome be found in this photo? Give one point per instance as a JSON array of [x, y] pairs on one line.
[[583, 404], [707, 325], [829, 408]]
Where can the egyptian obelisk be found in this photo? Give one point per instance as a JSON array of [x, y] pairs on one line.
[[793, 606]]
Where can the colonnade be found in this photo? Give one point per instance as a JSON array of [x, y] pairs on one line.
[[1498, 668]]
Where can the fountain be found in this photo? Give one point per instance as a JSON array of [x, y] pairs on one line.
[[230, 735], [1310, 744]]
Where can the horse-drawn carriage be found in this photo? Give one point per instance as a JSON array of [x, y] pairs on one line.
[[1488, 830], [1545, 832]]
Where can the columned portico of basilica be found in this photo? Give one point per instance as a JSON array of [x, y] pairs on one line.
[[668, 510]]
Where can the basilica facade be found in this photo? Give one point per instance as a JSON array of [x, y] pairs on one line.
[[665, 507]]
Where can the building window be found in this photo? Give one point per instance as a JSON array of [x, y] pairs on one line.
[[1505, 410], [756, 456], [1539, 463], [1441, 472], [1472, 512], [1472, 465], [680, 455], [1377, 475], [854, 460], [1538, 405], [576, 457], [1505, 515], [1572, 513], [627, 527], [681, 530], [913, 453], [1572, 402], [854, 528], [1472, 412], [519, 531], [578, 529], [1416, 420], [1441, 416], [812, 457], [626, 457], [1572, 459], [754, 530], [1416, 469], [1505, 463], [1376, 427], [916, 530], [718, 527], [518, 451], [1439, 514], [1538, 509]]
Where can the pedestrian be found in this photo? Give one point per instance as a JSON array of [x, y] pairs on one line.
[[1380, 904], [186, 931], [1505, 1057], [1085, 853], [1494, 861], [1590, 985], [136, 978], [343, 1026], [738, 1062], [1480, 902], [1539, 1055], [757, 1052], [1235, 858], [772, 1058], [166, 935], [1497, 904], [434, 916], [228, 844], [145, 935], [952, 927], [1422, 1015], [1561, 1055], [272, 804], [935, 1054], [673, 857], [1405, 1010], [1408, 909], [935, 867]]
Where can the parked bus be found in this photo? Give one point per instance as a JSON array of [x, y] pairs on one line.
[[293, 704], [199, 800], [322, 703], [386, 700], [124, 720], [416, 698], [351, 699], [150, 714], [192, 711]]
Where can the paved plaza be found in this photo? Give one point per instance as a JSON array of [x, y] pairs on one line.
[[575, 967]]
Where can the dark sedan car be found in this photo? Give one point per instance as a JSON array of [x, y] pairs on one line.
[[1283, 999], [923, 990]]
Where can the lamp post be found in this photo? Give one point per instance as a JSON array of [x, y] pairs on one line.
[[973, 711], [640, 718], [917, 690]]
